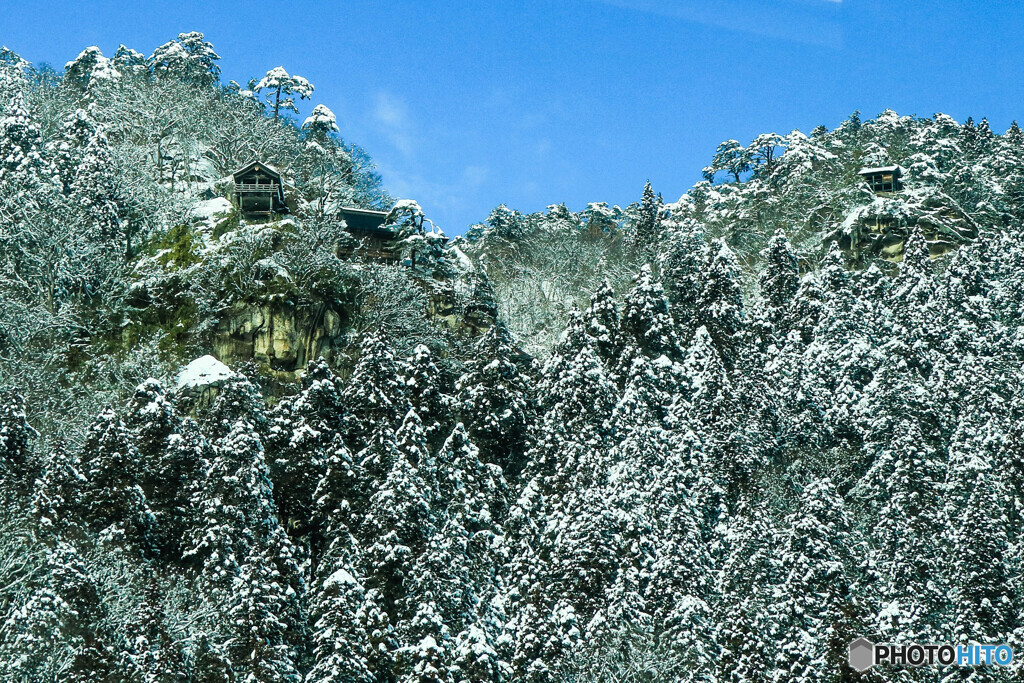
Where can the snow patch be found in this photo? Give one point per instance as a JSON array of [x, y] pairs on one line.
[[340, 577], [464, 260], [202, 372], [211, 208]]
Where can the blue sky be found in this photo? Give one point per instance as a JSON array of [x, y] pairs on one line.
[[466, 105]]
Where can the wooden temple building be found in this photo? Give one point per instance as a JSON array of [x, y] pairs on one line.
[[259, 191], [883, 179], [368, 228]]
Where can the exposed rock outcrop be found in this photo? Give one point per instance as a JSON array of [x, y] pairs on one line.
[[880, 228], [282, 336]]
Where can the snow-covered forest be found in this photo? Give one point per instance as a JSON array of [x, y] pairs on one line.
[[715, 439]]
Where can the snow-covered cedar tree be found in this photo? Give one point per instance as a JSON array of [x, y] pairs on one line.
[[114, 503], [495, 400], [190, 59], [279, 89], [779, 282], [320, 124], [523, 456], [683, 259], [89, 67], [721, 302], [647, 225], [646, 326], [375, 395], [18, 464]]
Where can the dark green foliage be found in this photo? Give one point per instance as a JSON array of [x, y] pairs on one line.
[[18, 466], [779, 438], [496, 400]]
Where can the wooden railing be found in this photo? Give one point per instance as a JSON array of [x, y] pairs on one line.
[[255, 187]]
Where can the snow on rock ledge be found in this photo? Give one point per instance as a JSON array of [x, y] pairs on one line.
[[203, 372], [208, 213], [211, 208]]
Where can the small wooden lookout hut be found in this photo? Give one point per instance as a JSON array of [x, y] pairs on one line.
[[882, 178], [258, 190]]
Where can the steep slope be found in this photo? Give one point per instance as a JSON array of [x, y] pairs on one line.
[[753, 425]]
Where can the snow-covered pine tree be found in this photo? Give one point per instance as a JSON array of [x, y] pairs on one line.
[[321, 124], [374, 396], [481, 309], [731, 157], [495, 400], [129, 62], [805, 311], [567, 464], [88, 68], [280, 87], [721, 302], [113, 502], [452, 585], [190, 59], [470, 491], [237, 400], [966, 297], [18, 465], [914, 284], [12, 74], [429, 394], [779, 282], [411, 442], [813, 615]]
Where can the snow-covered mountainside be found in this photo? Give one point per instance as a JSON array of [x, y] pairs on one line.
[[710, 440]]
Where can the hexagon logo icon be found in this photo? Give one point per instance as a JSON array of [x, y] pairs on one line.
[[862, 654]]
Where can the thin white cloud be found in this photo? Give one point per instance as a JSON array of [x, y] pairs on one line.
[[801, 21], [391, 117], [475, 176]]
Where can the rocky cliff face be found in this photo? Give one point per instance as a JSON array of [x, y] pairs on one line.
[[880, 227], [280, 335]]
